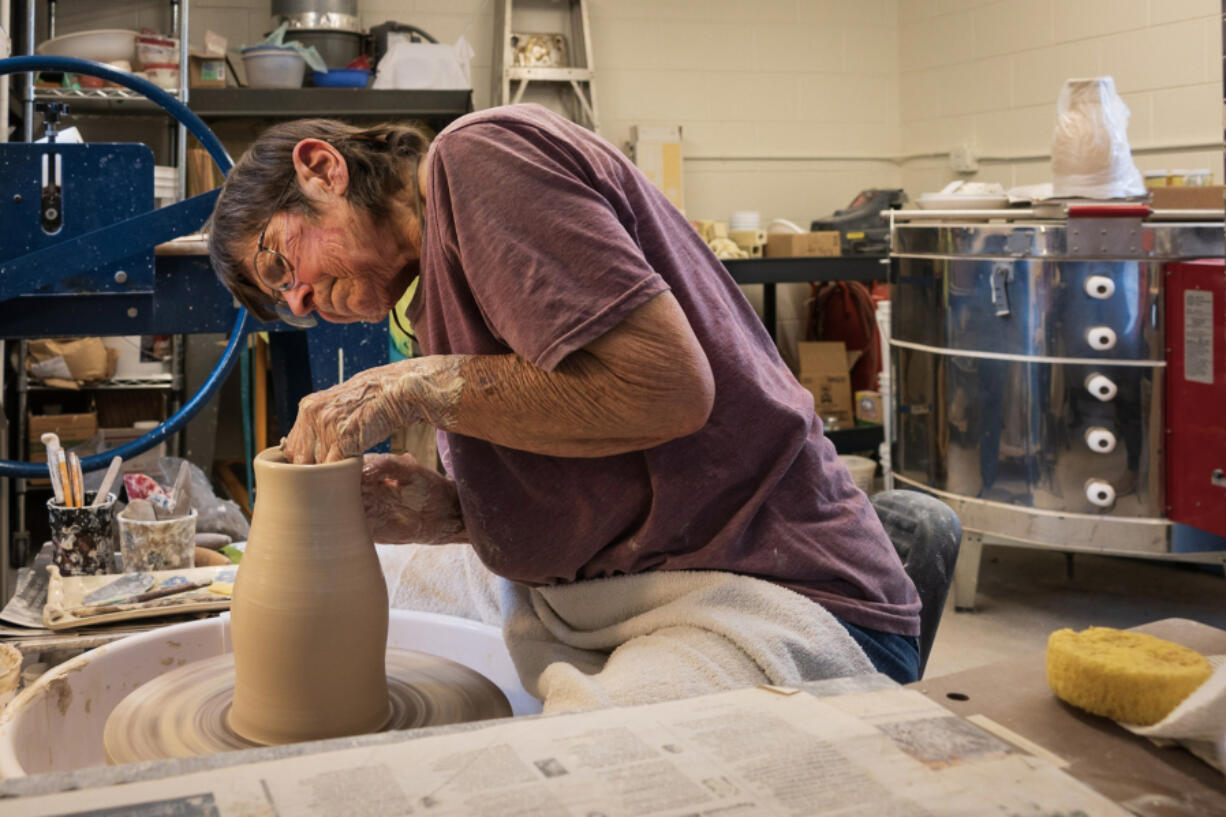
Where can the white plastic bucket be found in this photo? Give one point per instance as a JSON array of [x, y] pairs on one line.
[[57, 723], [862, 471]]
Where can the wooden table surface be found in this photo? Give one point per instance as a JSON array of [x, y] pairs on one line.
[[1124, 767]]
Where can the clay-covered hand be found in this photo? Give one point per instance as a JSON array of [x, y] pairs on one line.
[[409, 503], [350, 417]]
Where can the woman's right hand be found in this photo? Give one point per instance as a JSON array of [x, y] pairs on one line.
[[407, 503]]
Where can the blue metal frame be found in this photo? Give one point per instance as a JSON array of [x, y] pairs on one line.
[[151, 224]]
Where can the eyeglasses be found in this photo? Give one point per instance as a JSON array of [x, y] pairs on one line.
[[276, 272]]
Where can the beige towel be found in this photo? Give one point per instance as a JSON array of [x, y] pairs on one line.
[[633, 639]]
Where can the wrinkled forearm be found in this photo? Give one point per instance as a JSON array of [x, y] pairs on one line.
[[642, 384]]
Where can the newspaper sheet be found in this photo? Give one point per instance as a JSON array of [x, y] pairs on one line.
[[889, 753]]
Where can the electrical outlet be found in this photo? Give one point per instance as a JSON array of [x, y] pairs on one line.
[[962, 159]]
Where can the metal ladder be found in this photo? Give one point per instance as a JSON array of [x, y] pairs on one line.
[[579, 80]]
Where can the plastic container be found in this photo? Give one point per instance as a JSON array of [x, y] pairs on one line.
[[164, 75], [162, 544], [270, 66], [341, 78], [152, 50], [47, 730], [862, 470]]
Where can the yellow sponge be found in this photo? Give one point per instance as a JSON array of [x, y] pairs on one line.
[[1128, 677]]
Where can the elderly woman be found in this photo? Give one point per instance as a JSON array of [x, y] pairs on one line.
[[608, 403]]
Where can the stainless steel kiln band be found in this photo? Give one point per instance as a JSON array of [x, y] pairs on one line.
[[1027, 370]]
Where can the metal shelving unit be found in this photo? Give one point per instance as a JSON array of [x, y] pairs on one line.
[[288, 103], [771, 271]]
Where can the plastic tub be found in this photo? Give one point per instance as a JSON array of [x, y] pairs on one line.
[[341, 78], [270, 66], [56, 723], [164, 75], [152, 50], [862, 470]]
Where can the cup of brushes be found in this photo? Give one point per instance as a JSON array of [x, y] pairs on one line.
[[82, 522]]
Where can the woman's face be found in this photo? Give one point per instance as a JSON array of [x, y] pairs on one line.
[[346, 267]]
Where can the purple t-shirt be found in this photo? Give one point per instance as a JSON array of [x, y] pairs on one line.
[[541, 237]]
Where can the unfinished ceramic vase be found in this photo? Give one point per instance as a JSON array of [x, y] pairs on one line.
[[309, 616]]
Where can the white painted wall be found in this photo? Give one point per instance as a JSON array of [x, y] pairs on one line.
[[988, 72]]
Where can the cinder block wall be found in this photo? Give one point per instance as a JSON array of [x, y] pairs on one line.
[[790, 107], [988, 72]]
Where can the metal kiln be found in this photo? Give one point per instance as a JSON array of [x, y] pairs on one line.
[[1028, 362]]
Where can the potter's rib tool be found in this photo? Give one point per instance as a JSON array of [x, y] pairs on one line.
[[181, 494], [128, 585], [104, 489], [140, 510], [51, 442]]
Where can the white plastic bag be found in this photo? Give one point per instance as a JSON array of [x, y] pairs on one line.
[[425, 66], [1090, 155]]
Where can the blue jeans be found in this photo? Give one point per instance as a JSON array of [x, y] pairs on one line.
[[897, 656]]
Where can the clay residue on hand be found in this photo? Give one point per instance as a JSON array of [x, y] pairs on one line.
[[350, 417]]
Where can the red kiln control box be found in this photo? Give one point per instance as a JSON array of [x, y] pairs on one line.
[[1196, 394]]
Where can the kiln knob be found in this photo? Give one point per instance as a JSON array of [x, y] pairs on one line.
[[1100, 287], [1100, 440], [1101, 338], [1101, 387], [1100, 493]]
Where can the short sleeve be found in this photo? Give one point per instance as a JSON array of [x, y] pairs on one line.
[[537, 234]]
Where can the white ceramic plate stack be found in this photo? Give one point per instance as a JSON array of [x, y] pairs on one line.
[[165, 185], [745, 220]]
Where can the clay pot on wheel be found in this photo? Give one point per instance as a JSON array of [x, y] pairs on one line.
[[309, 616]]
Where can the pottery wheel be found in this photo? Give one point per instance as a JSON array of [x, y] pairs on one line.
[[183, 712]]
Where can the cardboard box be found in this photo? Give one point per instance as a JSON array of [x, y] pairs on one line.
[[869, 408], [69, 427], [657, 152], [206, 70], [72, 429], [824, 371], [803, 245], [144, 462], [1207, 197]]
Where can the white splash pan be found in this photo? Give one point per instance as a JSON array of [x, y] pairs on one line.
[[56, 724]]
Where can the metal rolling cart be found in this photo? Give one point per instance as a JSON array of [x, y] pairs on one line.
[[1028, 365]]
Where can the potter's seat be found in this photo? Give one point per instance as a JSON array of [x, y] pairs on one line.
[[927, 535]]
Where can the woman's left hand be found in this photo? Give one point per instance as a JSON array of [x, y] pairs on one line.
[[350, 417]]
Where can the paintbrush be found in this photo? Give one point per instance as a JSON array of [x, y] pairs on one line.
[[104, 490], [51, 441], [78, 480]]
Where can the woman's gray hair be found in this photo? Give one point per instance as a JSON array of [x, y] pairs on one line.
[[261, 184]]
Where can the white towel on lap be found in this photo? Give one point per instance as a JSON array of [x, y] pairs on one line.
[[634, 639]]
